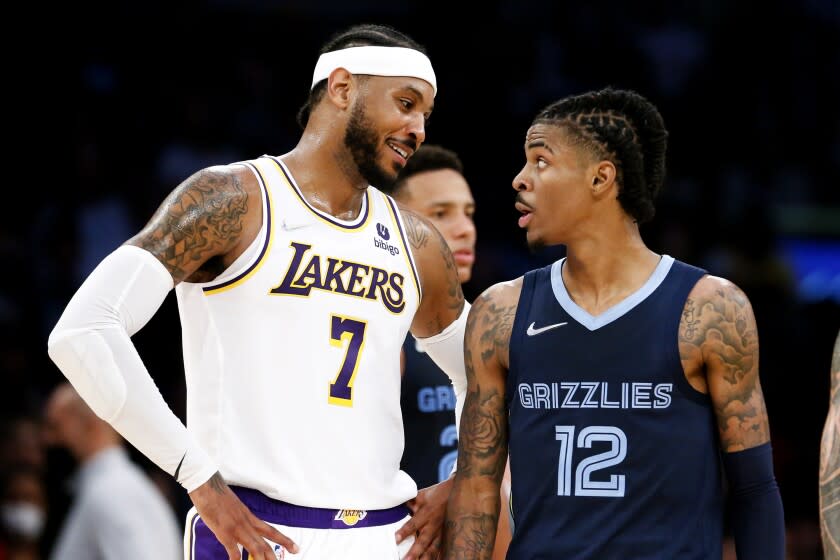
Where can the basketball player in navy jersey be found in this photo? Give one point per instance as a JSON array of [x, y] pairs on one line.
[[621, 381], [297, 281], [432, 184]]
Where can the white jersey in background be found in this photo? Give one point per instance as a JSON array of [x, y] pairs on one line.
[[292, 354]]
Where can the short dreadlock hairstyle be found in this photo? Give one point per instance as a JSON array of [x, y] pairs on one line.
[[625, 128]]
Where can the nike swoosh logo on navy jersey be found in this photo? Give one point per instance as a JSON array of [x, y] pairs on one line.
[[534, 332]]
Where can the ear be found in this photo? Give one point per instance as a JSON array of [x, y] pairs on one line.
[[339, 85], [603, 178]]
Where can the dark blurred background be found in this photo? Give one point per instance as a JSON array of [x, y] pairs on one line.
[[128, 99]]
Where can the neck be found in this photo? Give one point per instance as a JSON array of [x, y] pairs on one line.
[[326, 174], [603, 269]]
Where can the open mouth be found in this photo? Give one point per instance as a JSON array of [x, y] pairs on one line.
[[402, 151], [526, 212]]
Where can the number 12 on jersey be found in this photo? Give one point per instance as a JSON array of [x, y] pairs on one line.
[[351, 331], [613, 487]]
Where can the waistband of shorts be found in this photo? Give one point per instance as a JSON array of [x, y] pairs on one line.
[[290, 515]]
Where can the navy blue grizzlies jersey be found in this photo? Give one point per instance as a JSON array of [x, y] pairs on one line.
[[613, 454], [428, 407]]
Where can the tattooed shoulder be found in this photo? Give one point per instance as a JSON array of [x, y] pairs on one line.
[[490, 323], [443, 299], [203, 217], [417, 229], [718, 319], [835, 373], [718, 329]]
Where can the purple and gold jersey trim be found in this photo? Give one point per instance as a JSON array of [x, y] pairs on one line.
[[395, 215], [240, 278], [357, 225], [290, 515], [191, 523]]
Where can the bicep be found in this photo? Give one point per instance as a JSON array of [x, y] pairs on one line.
[[205, 216], [727, 340], [443, 299]]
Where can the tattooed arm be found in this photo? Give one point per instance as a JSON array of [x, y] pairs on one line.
[[718, 342], [719, 350], [473, 511], [194, 234], [443, 299], [438, 326], [830, 465], [204, 224]]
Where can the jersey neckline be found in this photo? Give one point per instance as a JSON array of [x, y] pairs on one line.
[[356, 223], [594, 322]]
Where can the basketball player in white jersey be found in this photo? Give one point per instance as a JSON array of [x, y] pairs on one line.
[[297, 282]]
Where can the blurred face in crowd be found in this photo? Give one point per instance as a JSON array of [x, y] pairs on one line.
[[24, 505], [443, 196], [66, 420]]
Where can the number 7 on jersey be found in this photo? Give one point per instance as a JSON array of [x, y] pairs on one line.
[[351, 331]]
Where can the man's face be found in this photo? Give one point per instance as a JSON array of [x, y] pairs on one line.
[[553, 187], [63, 425], [443, 196], [386, 125]]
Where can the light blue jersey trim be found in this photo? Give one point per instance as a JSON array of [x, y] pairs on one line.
[[594, 322]]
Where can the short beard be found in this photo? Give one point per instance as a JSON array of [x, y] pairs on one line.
[[535, 246], [361, 139]]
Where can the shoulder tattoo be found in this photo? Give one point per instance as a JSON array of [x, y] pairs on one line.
[[718, 327], [416, 230], [491, 323], [203, 217]]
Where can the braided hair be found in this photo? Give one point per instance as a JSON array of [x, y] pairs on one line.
[[625, 128], [365, 34]]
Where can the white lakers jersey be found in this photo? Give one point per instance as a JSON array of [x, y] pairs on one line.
[[292, 354]]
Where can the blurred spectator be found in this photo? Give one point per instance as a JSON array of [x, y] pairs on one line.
[[117, 511], [20, 444], [22, 513]]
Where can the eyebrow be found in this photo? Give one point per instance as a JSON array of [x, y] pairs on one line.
[[419, 94], [539, 144], [447, 204]]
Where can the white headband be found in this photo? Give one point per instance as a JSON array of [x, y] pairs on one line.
[[376, 61]]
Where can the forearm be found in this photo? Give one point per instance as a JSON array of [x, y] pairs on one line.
[[91, 345], [756, 505], [446, 349], [472, 516]]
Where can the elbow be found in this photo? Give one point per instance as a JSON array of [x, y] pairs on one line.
[[86, 358], [57, 343]]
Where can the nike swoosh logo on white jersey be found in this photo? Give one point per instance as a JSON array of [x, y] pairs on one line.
[[534, 332], [290, 227]]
